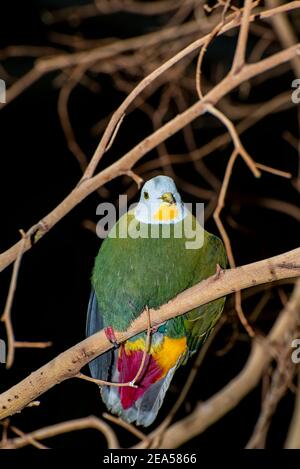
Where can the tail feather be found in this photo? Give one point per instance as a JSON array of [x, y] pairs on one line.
[[152, 400], [145, 409]]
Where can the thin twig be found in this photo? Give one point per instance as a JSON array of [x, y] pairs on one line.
[[236, 139], [128, 426], [215, 32], [227, 243], [276, 172], [12, 344], [61, 428], [240, 53]]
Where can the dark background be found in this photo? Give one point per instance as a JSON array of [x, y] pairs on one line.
[[37, 171]]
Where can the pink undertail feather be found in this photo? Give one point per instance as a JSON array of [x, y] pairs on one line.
[[128, 366]]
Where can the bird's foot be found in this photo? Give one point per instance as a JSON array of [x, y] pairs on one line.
[[219, 270], [110, 334]]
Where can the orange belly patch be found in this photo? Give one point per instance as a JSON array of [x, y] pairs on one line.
[[169, 353]]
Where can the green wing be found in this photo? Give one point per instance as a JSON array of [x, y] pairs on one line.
[[200, 322]]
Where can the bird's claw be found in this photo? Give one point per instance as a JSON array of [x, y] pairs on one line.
[[219, 270], [110, 334]]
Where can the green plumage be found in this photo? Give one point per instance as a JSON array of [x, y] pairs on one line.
[[151, 255], [130, 274]]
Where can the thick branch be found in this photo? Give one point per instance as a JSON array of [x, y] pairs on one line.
[[69, 363]]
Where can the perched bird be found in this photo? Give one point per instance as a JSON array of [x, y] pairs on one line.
[[134, 272]]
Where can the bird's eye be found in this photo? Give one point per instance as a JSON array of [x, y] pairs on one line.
[[146, 195]]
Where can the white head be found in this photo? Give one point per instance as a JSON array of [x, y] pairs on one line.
[[160, 202]]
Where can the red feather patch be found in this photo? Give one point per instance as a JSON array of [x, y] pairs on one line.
[[128, 366]]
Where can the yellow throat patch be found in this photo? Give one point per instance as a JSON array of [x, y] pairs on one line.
[[166, 212]]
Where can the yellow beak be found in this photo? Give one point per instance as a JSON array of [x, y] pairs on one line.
[[168, 198]]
